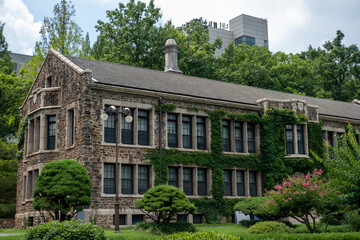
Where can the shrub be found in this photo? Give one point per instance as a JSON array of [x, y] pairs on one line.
[[162, 203], [67, 230], [165, 228], [270, 227], [63, 188], [200, 236], [303, 197], [247, 223], [7, 210], [352, 219], [255, 206]]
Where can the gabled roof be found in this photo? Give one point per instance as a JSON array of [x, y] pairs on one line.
[[158, 81]]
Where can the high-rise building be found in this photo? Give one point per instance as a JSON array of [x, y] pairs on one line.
[[241, 29]]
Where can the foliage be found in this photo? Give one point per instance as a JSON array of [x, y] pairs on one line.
[[67, 230], [302, 197], [129, 33], [6, 65], [168, 228], [273, 143], [214, 209], [352, 219], [270, 227], [343, 165], [63, 188], [255, 206], [60, 32], [200, 236], [247, 223], [162, 203], [7, 210], [165, 108]]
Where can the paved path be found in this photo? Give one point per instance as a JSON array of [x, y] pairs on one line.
[[9, 234]]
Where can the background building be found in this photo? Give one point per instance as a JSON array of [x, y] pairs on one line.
[[19, 60], [241, 29]]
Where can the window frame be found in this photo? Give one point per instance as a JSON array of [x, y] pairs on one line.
[[173, 126], [127, 184], [51, 139]]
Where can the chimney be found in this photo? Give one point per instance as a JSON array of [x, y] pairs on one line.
[[171, 56]]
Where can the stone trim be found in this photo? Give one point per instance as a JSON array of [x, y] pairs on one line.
[[72, 65]]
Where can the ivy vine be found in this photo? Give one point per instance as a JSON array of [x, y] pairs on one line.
[[272, 161], [165, 108], [21, 135]]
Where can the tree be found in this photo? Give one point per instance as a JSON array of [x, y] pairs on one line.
[[129, 32], [86, 47], [343, 166], [62, 189], [305, 197], [162, 203], [60, 33], [6, 65], [254, 206]]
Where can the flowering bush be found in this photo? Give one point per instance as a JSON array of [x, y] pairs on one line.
[[304, 198]]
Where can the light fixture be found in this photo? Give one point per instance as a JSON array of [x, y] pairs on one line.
[[104, 116]]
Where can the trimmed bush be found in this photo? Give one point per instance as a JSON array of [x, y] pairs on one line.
[[270, 227], [255, 206], [200, 236], [247, 223], [165, 228], [66, 230], [162, 203]]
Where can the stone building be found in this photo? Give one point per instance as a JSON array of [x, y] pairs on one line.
[[69, 95]]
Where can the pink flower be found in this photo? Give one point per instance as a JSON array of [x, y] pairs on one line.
[[306, 184], [278, 187], [286, 183], [308, 176], [290, 199], [295, 193]]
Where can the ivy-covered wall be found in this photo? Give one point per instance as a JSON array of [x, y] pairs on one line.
[[271, 162]]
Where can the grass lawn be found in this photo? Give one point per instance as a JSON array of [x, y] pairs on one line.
[[228, 228]]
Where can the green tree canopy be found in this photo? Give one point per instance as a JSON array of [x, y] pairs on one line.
[[129, 32], [162, 203], [62, 189]]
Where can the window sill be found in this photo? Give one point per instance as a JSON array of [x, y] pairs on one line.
[[128, 145], [70, 147], [297, 156], [238, 153], [122, 195], [188, 149], [42, 151]]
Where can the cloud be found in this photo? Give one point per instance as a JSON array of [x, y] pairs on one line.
[[21, 32]]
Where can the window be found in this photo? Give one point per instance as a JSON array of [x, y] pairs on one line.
[[51, 132], [266, 43], [70, 127], [143, 179], [122, 219], [330, 138], [186, 132], [109, 178], [188, 181], [245, 39], [197, 218], [228, 182], [289, 139], [240, 184], [137, 218], [173, 177], [127, 179], [252, 183], [49, 82], [143, 127], [300, 139], [239, 146], [30, 221], [127, 130], [181, 218], [24, 188], [109, 132], [201, 181], [172, 130], [226, 135], [200, 133], [251, 137], [29, 183]]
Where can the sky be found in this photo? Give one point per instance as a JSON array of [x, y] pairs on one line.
[[293, 25]]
